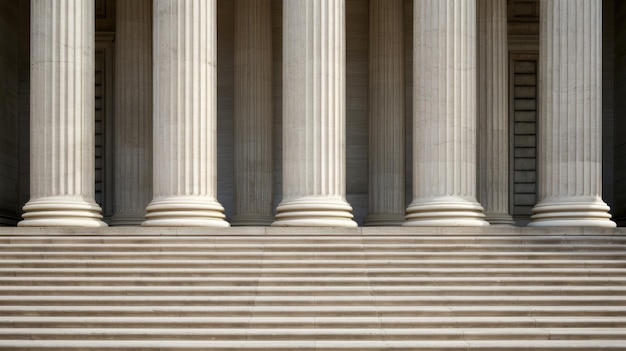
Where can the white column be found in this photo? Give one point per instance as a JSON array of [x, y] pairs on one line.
[[314, 132], [253, 113], [185, 108], [133, 111], [444, 115], [493, 111], [62, 115], [386, 114], [570, 113]]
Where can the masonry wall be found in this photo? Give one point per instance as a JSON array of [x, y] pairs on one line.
[[619, 131], [24, 103], [9, 109], [608, 82]]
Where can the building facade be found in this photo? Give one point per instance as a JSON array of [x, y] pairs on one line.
[[312, 113]]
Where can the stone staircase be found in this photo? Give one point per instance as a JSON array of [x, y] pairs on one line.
[[343, 292]]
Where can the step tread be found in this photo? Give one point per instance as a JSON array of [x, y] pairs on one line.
[[162, 289], [299, 270], [463, 292], [281, 319], [325, 310], [311, 280], [314, 345]]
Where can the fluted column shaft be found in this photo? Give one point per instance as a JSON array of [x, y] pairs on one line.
[[314, 115], [493, 123], [386, 113], [185, 111], [133, 111], [444, 115], [62, 115], [570, 112], [253, 113]]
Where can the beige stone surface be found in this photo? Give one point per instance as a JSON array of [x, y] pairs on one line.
[[185, 145], [62, 116], [386, 114], [314, 165], [493, 111], [570, 112], [444, 115], [342, 292], [133, 112], [253, 113]]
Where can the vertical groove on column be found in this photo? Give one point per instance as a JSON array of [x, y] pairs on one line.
[[133, 111], [493, 128], [386, 113], [62, 115], [314, 115], [570, 113], [185, 135], [253, 113], [444, 115]]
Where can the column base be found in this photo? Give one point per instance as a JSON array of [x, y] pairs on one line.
[[445, 211], [314, 212], [127, 219], [185, 211], [62, 211], [499, 219], [571, 212], [383, 220], [251, 220]]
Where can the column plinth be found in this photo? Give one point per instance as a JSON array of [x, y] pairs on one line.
[[133, 112], [185, 115], [62, 116], [444, 115], [386, 114], [314, 174], [493, 112], [253, 113], [570, 116]]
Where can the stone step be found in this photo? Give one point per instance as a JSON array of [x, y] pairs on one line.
[[312, 345], [309, 300], [313, 311], [356, 247], [510, 292], [518, 271], [307, 255], [314, 322], [263, 279], [313, 334], [335, 263], [314, 290], [332, 240]]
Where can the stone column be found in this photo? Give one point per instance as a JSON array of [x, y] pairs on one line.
[[133, 111], [493, 111], [62, 115], [570, 113], [185, 115], [253, 113], [386, 114], [314, 132], [444, 115]]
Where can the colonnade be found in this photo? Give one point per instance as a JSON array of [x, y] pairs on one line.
[[166, 137]]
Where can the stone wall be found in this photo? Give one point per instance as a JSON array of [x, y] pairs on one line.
[[608, 75], [24, 102], [9, 110], [619, 200]]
